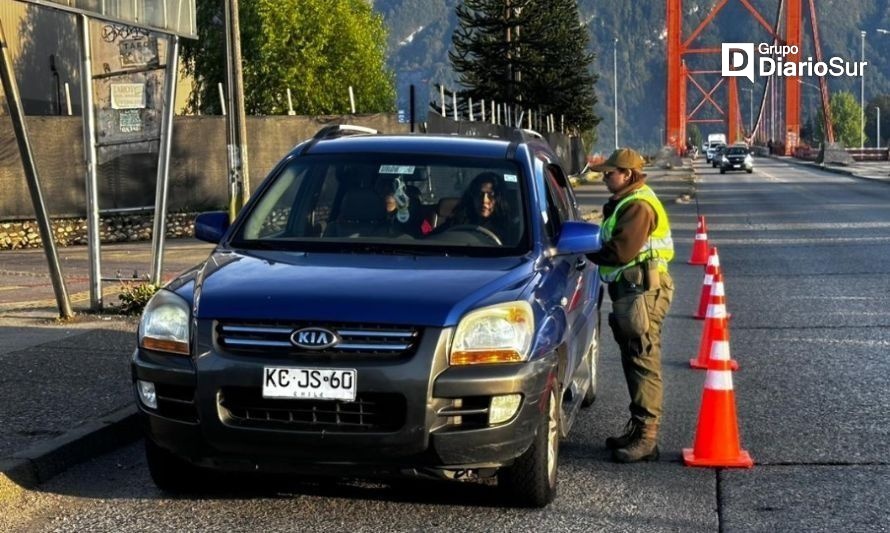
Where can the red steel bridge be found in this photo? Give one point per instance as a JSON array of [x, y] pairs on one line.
[[685, 75]]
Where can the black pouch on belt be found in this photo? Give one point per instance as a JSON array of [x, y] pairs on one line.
[[629, 312]]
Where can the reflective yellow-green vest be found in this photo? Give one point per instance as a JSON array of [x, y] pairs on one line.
[[659, 246]]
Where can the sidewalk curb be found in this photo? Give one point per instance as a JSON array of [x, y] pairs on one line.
[[40, 462], [833, 170]]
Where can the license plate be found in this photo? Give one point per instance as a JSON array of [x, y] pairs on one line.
[[309, 383], [737, 166]]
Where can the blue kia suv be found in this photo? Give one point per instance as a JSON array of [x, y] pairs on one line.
[[393, 304]]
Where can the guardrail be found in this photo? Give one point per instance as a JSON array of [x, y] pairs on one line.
[[859, 154]]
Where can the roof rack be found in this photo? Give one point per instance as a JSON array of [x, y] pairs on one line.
[[518, 135], [532, 133], [335, 131], [340, 130]]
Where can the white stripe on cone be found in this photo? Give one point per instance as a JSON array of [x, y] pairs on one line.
[[716, 311], [714, 260], [717, 289], [701, 236], [718, 380], [709, 279], [720, 350]]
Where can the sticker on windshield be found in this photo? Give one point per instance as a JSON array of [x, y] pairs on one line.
[[510, 178], [396, 169]]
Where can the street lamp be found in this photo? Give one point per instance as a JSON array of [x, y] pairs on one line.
[[615, 86], [862, 92], [878, 109]]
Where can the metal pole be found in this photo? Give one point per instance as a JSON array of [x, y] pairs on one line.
[[239, 120], [454, 104], [862, 92], [413, 118], [68, 100], [89, 149], [615, 87], [290, 104], [231, 156], [17, 116], [222, 98], [878, 125], [163, 181]]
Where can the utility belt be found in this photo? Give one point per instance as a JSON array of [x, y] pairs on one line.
[[630, 314], [644, 276]]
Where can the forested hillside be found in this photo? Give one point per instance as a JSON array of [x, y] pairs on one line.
[[420, 36]]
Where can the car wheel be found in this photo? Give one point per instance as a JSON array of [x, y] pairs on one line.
[[723, 171], [531, 480], [593, 354], [170, 473], [749, 170]]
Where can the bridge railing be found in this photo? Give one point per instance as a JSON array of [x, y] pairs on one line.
[[809, 153]]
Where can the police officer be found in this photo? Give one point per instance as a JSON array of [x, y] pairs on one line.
[[633, 261]]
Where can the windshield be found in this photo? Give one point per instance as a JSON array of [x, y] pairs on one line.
[[390, 203], [738, 151]]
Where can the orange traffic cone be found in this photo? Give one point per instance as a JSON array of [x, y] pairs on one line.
[[717, 433], [700, 247], [705, 296], [716, 324]]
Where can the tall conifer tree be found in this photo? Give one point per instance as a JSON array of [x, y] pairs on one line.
[[531, 54]]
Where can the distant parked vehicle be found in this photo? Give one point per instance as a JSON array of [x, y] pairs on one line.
[[712, 152]]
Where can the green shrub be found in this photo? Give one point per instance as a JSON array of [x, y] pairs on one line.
[[134, 297]]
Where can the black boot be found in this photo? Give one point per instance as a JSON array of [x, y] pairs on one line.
[[631, 431], [643, 448]]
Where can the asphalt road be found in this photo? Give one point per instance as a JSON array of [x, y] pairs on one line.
[[807, 270]]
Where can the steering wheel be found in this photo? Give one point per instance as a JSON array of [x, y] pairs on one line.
[[484, 231]]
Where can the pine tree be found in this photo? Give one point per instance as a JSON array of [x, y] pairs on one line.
[[530, 54]]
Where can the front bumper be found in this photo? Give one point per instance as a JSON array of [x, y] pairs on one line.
[[444, 423], [736, 165]]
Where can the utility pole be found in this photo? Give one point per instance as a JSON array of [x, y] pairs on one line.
[[238, 122], [615, 87], [862, 92]]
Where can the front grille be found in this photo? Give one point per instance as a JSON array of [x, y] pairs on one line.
[[359, 340], [176, 402], [370, 412]]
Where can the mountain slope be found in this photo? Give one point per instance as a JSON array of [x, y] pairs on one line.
[[420, 37]]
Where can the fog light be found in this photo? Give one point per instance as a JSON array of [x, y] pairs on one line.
[[147, 393], [503, 408]]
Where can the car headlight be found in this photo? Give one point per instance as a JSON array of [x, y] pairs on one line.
[[500, 333], [165, 324]]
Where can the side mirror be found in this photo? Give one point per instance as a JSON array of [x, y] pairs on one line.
[[578, 238], [211, 227]]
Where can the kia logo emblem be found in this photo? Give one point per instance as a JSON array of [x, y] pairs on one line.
[[313, 338]]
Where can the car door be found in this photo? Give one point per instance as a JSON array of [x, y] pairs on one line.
[[579, 273]]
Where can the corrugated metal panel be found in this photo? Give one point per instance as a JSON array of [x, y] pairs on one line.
[[12, 13]]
